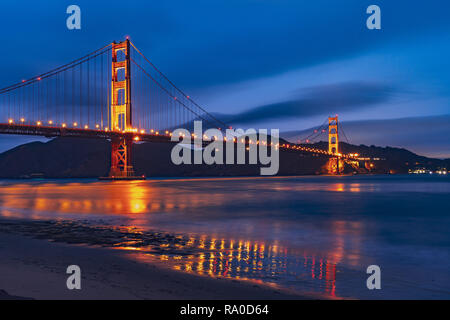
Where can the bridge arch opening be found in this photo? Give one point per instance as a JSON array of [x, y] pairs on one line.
[[120, 74], [120, 54], [121, 96]]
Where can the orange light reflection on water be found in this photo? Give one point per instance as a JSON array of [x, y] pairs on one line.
[[254, 261], [135, 197], [241, 259]]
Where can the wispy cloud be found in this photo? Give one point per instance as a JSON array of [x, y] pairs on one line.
[[319, 100]]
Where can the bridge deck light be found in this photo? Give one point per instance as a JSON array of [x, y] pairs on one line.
[[22, 120], [10, 121], [38, 123], [86, 126], [63, 125], [97, 126], [50, 122], [75, 124]]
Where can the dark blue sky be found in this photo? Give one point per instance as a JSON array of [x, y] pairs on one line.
[[280, 64]]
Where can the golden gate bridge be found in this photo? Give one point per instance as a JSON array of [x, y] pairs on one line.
[[116, 93]]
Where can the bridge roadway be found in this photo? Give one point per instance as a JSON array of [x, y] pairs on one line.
[[53, 131]]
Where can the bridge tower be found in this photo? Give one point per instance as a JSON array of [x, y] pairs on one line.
[[120, 111], [334, 164], [333, 135]]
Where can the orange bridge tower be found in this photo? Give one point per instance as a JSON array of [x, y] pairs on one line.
[[333, 135], [335, 163], [120, 111]]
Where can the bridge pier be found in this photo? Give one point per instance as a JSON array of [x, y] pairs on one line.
[[121, 165], [335, 165], [121, 160]]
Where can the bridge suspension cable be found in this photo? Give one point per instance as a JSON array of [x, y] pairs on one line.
[[53, 71], [66, 96], [187, 99], [341, 128], [78, 95], [170, 94], [316, 132]]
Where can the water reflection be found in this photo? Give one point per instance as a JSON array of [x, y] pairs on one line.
[[258, 262], [116, 198], [265, 256], [288, 232], [144, 197], [119, 198], [264, 262]]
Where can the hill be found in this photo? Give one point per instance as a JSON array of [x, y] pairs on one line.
[[394, 160], [80, 158]]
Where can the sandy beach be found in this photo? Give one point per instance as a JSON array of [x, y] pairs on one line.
[[35, 268]]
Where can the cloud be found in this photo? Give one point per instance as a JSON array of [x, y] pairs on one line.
[[319, 100], [230, 45]]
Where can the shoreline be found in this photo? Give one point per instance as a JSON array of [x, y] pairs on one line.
[[206, 178], [36, 269]]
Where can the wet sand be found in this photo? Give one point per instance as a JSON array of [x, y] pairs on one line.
[[36, 268]]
